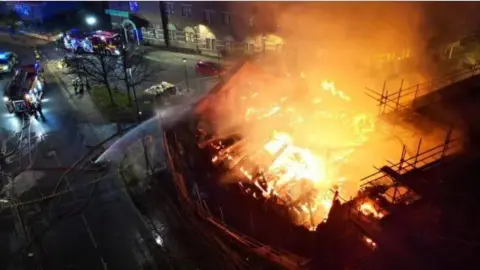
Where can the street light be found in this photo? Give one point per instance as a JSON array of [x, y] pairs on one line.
[[186, 72], [131, 84], [91, 21]]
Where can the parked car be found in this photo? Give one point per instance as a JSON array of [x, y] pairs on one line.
[[207, 68], [164, 88], [8, 61]]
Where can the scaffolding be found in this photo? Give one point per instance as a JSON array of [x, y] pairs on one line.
[[407, 98]]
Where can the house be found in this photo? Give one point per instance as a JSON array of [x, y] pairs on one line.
[[39, 11], [216, 28]]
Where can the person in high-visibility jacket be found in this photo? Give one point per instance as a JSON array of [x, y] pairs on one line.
[[37, 54]]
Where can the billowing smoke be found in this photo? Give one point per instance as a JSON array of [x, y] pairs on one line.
[[313, 129], [360, 44]]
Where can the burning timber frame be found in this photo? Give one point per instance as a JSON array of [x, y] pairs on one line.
[[280, 257]]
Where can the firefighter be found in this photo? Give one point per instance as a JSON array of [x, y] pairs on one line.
[[3, 161], [81, 90], [75, 85], [37, 54], [87, 85], [38, 108]]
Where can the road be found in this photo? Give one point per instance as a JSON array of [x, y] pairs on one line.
[[107, 233]]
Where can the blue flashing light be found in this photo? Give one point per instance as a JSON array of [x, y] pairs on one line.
[[133, 6], [3, 56]]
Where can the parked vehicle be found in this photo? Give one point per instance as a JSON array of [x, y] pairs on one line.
[[207, 68], [164, 88], [24, 92], [97, 41], [8, 61]]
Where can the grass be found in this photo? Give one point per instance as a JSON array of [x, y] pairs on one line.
[[120, 112]]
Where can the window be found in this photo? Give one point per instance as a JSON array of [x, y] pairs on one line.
[[249, 47], [251, 20], [228, 46], [207, 16], [189, 37], [169, 8], [186, 11], [210, 43], [226, 18], [172, 35], [133, 5]]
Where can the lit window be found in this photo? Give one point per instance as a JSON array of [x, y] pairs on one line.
[[228, 46], [210, 43], [251, 21], [190, 37], [186, 11], [172, 34], [226, 18], [133, 6], [169, 8], [207, 16]]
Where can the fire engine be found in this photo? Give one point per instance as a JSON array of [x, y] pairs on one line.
[[98, 41], [25, 91]]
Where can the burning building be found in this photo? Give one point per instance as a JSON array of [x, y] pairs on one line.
[[298, 144], [296, 141]]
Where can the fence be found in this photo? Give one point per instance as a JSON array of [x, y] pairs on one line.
[[406, 98]]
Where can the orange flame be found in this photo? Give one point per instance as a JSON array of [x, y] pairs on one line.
[[302, 178]]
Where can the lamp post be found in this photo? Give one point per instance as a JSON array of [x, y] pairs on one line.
[[130, 83], [91, 21], [186, 72], [264, 43]]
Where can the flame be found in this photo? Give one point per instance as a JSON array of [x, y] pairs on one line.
[[370, 243], [330, 87], [299, 169], [368, 209]]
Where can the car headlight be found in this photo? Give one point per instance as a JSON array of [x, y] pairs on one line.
[[3, 67], [6, 99]]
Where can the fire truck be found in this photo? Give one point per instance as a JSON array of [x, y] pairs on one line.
[[25, 91], [98, 41]]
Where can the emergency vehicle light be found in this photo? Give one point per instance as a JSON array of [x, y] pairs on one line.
[[3, 56]]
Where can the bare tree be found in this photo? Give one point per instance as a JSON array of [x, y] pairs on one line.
[[98, 68], [136, 69]]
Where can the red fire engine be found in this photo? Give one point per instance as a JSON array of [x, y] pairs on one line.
[[98, 41]]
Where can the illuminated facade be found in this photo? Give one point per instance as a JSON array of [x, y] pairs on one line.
[[217, 28]]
